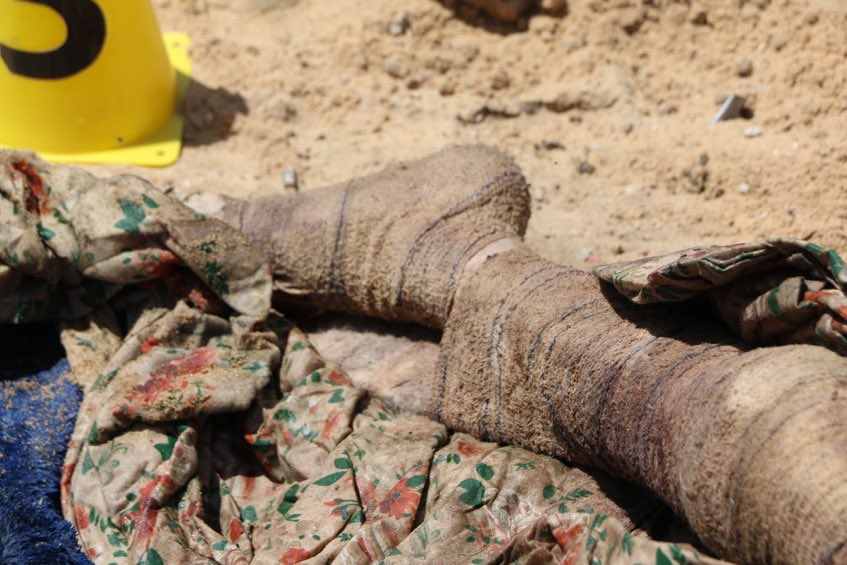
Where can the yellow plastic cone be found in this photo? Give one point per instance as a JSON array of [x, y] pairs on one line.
[[87, 80]]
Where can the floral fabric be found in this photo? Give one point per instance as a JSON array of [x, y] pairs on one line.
[[315, 472], [199, 441], [776, 291]]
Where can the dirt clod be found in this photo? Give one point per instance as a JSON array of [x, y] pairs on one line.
[[744, 68]]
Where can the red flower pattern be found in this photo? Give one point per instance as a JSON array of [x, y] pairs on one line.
[[295, 555], [166, 378], [569, 537], [330, 427], [37, 201], [144, 518], [468, 449], [149, 344], [81, 517], [156, 262], [236, 528], [340, 379], [400, 502]]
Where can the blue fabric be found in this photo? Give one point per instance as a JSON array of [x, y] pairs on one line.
[[38, 407]]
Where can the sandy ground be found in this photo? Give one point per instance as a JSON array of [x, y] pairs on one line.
[[607, 109]]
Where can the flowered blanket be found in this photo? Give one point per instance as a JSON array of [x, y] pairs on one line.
[[211, 430], [771, 292]]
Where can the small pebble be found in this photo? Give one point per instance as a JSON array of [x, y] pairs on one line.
[[587, 255], [289, 179], [744, 68], [530, 106], [667, 108], [554, 7], [399, 24], [572, 44], [753, 131], [744, 188], [548, 145], [396, 66], [698, 16], [585, 168]]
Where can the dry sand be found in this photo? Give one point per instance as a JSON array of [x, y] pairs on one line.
[[607, 110]]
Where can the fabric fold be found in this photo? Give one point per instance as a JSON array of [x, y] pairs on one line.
[[70, 242], [770, 292], [198, 439]]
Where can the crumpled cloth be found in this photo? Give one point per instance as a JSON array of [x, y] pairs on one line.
[[770, 292], [197, 440], [313, 471], [70, 242]]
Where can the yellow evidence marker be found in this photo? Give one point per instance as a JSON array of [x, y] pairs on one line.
[[87, 81]]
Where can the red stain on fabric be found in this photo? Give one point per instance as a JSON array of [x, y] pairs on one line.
[[166, 378], [37, 200], [144, 518], [196, 361]]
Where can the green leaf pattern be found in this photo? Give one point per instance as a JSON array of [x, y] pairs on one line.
[[285, 454]]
